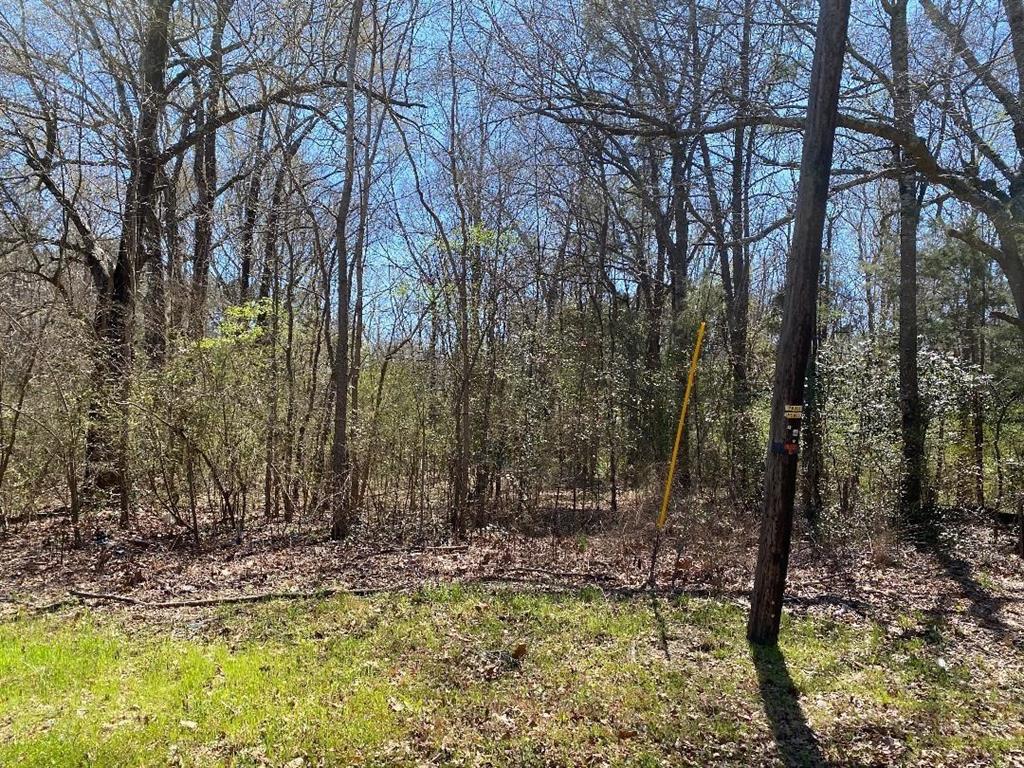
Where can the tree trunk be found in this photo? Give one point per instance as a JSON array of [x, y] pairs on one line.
[[813, 429], [105, 479], [977, 299], [156, 307], [205, 172], [341, 513], [106, 469], [915, 517], [738, 309]]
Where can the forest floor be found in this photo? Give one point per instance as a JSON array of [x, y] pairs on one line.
[[509, 650]]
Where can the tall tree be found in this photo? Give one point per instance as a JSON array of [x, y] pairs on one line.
[[205, 170], [912, 417], [341, 512], [106, 470]]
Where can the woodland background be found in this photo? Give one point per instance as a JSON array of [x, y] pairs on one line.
[[409, 269]]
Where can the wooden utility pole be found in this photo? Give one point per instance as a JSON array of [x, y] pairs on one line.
[[798, 321]]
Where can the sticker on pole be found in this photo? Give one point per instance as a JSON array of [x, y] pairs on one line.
[[794, 411]]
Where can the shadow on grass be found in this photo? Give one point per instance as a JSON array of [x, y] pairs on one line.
[[795, 741], [659, 621], [985, 607]]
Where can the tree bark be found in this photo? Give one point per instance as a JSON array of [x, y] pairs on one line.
[[341, 513], [106, 469], [205, 172], [977, 296], [813, 427], [738, 309], [912, 426]]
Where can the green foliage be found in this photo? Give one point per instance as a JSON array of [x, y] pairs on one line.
[[857, 382], [44, 398], [199, 424], [242, 324]]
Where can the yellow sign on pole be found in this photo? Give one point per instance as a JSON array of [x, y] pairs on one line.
[[663, 516]]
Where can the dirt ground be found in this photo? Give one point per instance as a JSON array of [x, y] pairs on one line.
[[973, 581]]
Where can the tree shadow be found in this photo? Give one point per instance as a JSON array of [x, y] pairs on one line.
[[659, 622], [985, 608], [795, 741]]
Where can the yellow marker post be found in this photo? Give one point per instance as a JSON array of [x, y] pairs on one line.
[[663, 516]]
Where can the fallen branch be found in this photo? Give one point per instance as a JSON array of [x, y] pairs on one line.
[[38, 608], [322, 593], [55, 605], [419, 550], [564, 574], [260, 597], [493, 580]]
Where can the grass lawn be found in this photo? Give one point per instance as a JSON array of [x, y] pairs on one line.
[[458, 676]]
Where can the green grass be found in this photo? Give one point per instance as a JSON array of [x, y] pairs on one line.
[[433, 677]]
